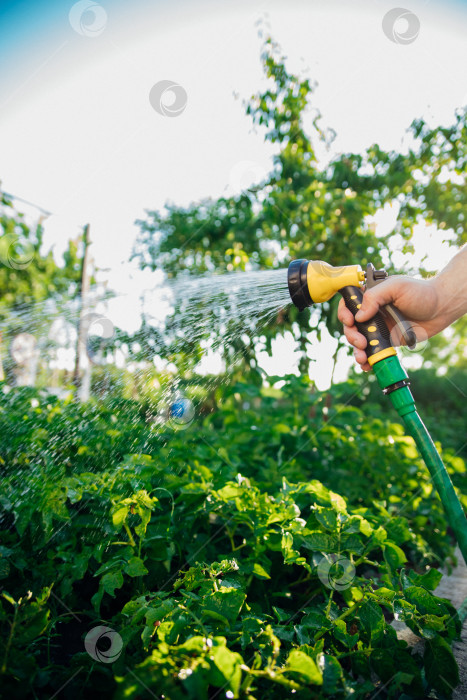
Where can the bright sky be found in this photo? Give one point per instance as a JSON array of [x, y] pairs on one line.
[[79, 137]]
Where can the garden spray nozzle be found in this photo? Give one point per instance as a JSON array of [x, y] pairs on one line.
[[314, 281]]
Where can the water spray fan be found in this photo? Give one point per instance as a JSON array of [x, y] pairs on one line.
[[313, 282]]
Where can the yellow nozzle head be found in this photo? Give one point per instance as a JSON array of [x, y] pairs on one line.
[[314, 281], [324, 280]]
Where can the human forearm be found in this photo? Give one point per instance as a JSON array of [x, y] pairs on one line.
[[451, 289]]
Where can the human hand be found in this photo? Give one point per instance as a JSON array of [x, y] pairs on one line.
[[416, 299]]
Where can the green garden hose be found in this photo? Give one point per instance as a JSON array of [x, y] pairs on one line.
[[455, 514], [393, 380], [462, 611]]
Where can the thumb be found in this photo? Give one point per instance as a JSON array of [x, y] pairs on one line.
[[375, 298]]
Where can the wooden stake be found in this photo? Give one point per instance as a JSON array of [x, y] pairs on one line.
[[82, 294]]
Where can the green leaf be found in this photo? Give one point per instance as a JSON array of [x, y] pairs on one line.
[[398, 530], [287, 634], [287, 542], [119, 516], [394, 555], [108, 584], [316, 620], [365, 527], [157, 613], [302, 664], [372, 619], [9, 598], [430, 580], [145, 515], [145, 500], [337, 502], [229, 492], [341, 634], [260, 572], [352, 543], [135, 609], [425, 602], [327, 518], [135, 567], [282, 615], [153, 618], [382, 661], [291, 555], [332, 674], [303, 634], [281, 428], [321, 542], [226, 601], [384, 593], [228, 673], [433, 622], [441, 668], [31, 622]]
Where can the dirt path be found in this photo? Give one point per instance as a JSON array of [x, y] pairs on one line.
[[453, 587]]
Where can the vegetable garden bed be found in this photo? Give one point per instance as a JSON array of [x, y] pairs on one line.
[[264, 550]]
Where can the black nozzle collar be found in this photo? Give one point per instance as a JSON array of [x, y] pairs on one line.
[[298, 285]]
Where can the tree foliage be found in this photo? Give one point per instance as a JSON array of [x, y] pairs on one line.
[[33, 286], [28, 275]]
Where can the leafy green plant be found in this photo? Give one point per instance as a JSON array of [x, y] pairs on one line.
[[239, 571]]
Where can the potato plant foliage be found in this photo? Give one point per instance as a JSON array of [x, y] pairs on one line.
[[263, 552]]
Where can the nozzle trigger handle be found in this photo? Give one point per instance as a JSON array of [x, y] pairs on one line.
[[404, 326], [374, 277], [375, 330]]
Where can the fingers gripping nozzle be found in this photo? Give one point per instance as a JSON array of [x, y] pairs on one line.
[[376, 332]]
